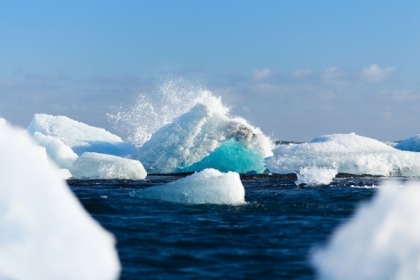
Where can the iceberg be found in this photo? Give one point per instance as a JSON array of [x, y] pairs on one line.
[[60, 153], [80, 137], [313, 176], [346, 153], [102, 166], [2, 121], [209, 186], [45, 232], [410, 144], [205, 137], [381, 241]]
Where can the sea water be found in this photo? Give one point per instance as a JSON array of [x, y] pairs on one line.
[[271, 236]]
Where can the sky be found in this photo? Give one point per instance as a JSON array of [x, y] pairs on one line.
[[297, 69]]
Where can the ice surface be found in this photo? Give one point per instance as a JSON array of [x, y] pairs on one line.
[[205, 137], [382, 240], [346, 153], [102, 166], [2, 121], [313, 176], [44, 231], [410, 144], [208, 186], [79, 136], [60, 153]]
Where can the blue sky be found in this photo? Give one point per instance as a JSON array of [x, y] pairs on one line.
[[297, 69]]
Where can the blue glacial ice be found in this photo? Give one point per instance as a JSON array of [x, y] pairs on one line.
[[206, 137], [346, 153], [381, 241], [45, 232], [410, 144], [209, 186], [79, 136]]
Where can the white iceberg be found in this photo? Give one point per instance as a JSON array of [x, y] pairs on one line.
[[313, 176], [409, 144], [346, 153], [2, 121], [79, 136], [382, 240], [44, 231], [208, 186], [60, 153], [102, 166], [205, 137]]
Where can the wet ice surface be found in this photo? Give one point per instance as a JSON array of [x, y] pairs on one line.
[[271, 236]]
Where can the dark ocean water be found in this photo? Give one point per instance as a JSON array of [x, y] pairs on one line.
[[270, 237]]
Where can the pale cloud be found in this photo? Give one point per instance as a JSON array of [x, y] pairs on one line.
[[375, 73], [403, 95], [334, 75], [262, 74], [301, 73]]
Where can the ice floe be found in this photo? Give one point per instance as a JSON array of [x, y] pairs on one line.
[[79, 136], [208, 186], [102, 166], [346, 153], [312, 176], [205, 137], [45, 232], [381, 241], [409, 144]]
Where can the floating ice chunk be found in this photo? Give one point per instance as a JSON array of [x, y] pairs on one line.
[[79, 136], [347, 153], [208, 186], [205, 138], [2, 121], [313, 176], [409, 144], [381, 241], [61, 154], [44, 231], [64, 173], [102, 166]]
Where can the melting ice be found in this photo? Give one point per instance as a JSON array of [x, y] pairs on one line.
[[45, 232], [346, 153]]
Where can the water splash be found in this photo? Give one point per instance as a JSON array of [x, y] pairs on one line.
[[173, 97]]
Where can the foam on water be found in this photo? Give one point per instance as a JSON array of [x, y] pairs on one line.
[[313, 176], [79, 136], [381, 241], [346, 153], [102, 166], [410, 144], [45, 232], [209, 186]]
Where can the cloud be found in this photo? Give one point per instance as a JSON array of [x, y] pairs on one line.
[[262, 74], [374, 73], [334, 75], [301, 73], [404, 95]]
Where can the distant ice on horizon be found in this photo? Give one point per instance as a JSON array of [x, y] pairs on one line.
[[410, 144]]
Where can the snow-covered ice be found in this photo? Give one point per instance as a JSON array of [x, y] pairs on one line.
[[313, 176], [208, 186], [44, 231], [346, 153], [206, 137], [102, 166], [79, 136], [410, 144], [382, 240]]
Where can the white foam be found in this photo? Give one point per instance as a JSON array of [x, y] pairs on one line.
[[102, 166], [347, 153], [208, 186], [409, 144], [381, 241], [193, 136], [313, 176], [45, 232], [79, 136]]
